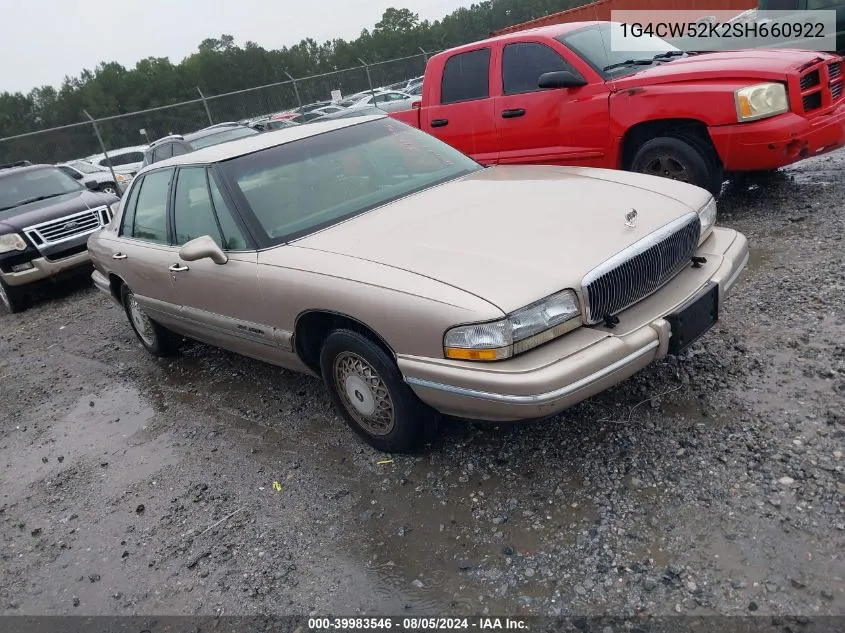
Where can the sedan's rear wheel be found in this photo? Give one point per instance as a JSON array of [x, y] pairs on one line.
[[368, 390], [155, 338]]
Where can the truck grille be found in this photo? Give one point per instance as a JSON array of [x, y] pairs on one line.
[[821, 86], [641, 269], [69, 227]]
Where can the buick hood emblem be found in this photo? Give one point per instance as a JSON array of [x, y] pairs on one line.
[[631, 218]]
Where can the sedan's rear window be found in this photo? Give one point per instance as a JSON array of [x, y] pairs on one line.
[[297, 188]]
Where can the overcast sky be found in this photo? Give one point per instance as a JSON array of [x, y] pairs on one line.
[[42, 41]]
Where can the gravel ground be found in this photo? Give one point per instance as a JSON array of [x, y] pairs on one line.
[[209, 483]]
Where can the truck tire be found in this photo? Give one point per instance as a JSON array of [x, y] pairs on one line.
[[108, 187], [681, 158], [13, 298]]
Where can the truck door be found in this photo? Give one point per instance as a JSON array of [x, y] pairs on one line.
[[560, 126], [461, 110]]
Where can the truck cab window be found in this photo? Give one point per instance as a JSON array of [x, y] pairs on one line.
[[523, 63], [466, 77]]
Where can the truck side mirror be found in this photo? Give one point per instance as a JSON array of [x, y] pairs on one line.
[[560, 79]]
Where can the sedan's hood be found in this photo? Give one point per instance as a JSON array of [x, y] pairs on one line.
[[756, 64], [27, 215], [512, 235]]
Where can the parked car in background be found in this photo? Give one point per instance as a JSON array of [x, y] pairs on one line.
[[316, 113], [266, 124], [376, 256], [348, 113], [562, 95], [82, 171], [45, 220], [388, 101], [126, 160], [176, 144]]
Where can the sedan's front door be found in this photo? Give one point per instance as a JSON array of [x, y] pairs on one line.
[[142, 254], [220, 303]]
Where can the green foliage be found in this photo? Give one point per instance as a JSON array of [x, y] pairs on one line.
[[220, 66]]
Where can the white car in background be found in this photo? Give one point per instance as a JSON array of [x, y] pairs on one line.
[[124, 160], [386, 100], [84, 171]]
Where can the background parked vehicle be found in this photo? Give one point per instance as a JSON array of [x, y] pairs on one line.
[[175, 145], [561, 95], [387, 100], [266, 124], [126, 160], [45, 220], [316, 113], [82, 171]]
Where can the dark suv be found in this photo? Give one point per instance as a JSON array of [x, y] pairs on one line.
[[45, 220], [177, 144]]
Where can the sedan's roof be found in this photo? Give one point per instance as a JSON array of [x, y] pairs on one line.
[[258, 142]]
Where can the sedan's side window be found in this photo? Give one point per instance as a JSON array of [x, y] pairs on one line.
[[128, 220], [194, 214], [150, 217], [524, 63]]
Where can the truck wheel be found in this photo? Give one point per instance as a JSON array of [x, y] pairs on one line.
[[366, 387], [13, 298], [109, 187], [156, 339], [680, 158]]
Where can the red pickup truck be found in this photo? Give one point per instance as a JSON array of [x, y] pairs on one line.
[[562, 95]]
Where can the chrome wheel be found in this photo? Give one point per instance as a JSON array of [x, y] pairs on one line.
[[364, 394], [4, 298], [142, 323], [109, 189]]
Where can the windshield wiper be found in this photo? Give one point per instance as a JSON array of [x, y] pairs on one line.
[[630, 62], [35, 199], [669, 55]]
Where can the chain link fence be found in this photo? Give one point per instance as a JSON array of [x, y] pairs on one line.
[[79, 140]]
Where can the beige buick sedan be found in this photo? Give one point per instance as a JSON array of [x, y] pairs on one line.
[[412, 280]]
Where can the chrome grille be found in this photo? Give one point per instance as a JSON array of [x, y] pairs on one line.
[[66, 228], [641, 269]]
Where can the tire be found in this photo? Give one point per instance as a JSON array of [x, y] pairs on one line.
[[156, 339], [683, 158], [109, 187], [14, 298], [388, 416]]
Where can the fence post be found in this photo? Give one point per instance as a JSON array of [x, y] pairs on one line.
[[369, 79], [205, 103], [102, 145], [295, 88], [425, 54]]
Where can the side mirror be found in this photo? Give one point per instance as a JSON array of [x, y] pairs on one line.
[[93, 185], [560, 79], [202, 248]]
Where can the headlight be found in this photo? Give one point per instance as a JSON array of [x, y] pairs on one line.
[[760, 101], [520, 331], [122, 178], [707, 217], [11, 242]]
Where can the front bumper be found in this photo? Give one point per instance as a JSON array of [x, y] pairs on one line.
[[580, 364], [779, 141], [43, 269]]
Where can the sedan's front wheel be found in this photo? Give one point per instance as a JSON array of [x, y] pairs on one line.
[[368, 390], [156, 339]]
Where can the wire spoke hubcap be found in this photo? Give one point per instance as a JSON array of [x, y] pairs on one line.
[[141, 321], [667, 167], [364, 394]]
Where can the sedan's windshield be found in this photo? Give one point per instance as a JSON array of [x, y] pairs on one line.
[[34, 184], [222, 137], [607, 49], [300, 187]]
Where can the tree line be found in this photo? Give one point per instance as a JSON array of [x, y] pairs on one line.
[[221, 66]]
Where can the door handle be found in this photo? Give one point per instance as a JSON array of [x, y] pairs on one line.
[[439, 122], [178, 268], [118, 256], [512, 114]]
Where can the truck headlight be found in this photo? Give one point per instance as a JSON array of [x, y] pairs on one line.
[[707, 218], [11, 242], [518, 332], [760, 101]]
